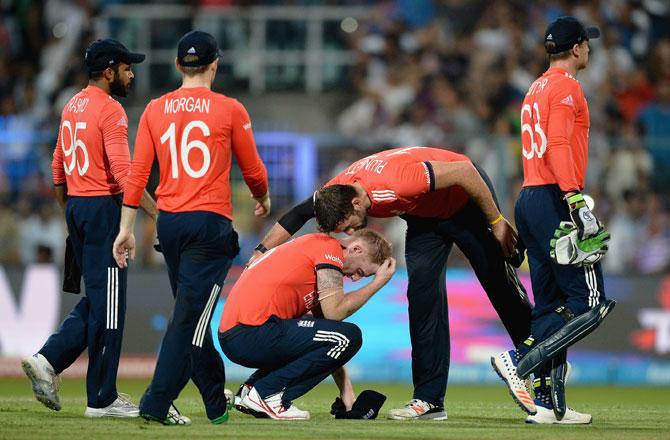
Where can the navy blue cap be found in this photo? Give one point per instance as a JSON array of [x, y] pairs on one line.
[[102, 54], [565, 32], [197, 48]]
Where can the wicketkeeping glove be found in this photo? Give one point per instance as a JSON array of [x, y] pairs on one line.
[[586, 222], [567, 248]]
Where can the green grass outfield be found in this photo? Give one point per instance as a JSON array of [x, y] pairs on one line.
[[475, 412]]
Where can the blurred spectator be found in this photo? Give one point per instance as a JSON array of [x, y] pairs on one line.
[[626, 228], [655, 125], [42, 228]]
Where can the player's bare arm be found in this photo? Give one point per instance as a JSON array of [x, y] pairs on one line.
[[60, 192], [148, 204], [338, 306], [343, 382], [124, 244], [465, 175], [283, 230]]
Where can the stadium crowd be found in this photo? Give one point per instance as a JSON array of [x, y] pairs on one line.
[[427, 72]]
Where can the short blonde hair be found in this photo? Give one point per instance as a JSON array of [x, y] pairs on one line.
[[379, 248]]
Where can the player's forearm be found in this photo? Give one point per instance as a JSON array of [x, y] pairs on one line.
[[353, 301], [465, 175], [276, 236], [148, 204], [342, 380], [60, 192], [128, 216]]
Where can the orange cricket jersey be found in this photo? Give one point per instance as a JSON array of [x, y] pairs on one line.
[[91, 154], [194, 132], [281, 282], [555, 132], [401, 181]]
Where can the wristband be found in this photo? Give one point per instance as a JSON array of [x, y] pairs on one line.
[[260, 248], [497, 220]]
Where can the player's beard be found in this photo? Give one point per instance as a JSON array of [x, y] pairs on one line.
[[118, 88]]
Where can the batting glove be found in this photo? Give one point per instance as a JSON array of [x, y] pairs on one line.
[[567, 248]]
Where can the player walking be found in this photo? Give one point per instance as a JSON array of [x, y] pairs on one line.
[[261, 326], [566, 276], [193, 132], [90, 169], [445, 200]]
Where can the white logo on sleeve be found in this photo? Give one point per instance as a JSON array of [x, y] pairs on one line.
[[122, 122], [334, 259], [247, 126], [568, 100]]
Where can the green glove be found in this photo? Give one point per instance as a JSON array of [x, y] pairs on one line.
[[567, 248]]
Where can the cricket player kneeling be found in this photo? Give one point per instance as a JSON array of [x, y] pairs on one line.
[[263, 324]]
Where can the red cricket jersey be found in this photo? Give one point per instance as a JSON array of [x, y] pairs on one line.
[[91, 154], [281, 282], [555, 131], [400, 181], [194, 132]]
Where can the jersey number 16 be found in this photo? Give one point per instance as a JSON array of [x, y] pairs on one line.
[[185, 148]]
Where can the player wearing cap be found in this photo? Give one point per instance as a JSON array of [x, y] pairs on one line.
[[193, 132], [445, 200], [563, 237], [90, 168], [261, 325]]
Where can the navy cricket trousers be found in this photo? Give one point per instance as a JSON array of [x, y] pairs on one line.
[[538, 212], [198, 248], [97, 320], [291, 355], [427, 246]]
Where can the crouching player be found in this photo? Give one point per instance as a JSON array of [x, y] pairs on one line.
[[261, 325]]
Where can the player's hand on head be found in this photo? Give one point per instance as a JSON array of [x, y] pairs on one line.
[[124, 248], [263, 206], [505, 235], [386, 270]]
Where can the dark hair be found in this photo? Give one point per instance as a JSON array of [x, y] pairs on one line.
[[550, 45], [97, 75], [192, 70], [379, 248], [332, 205]]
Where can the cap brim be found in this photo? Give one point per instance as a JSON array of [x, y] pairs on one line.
[[134, 58], [592, 32]]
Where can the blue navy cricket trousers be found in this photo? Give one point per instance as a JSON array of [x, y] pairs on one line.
[[198, 248], [97, 320], [427, 246], [538, 212], [291, 355]]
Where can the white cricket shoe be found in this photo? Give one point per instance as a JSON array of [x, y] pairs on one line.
[[173, 418], [230, 398], [272, 406], [417, 409], [121, 407], [43, 379], [505, 365], [546, 416]]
